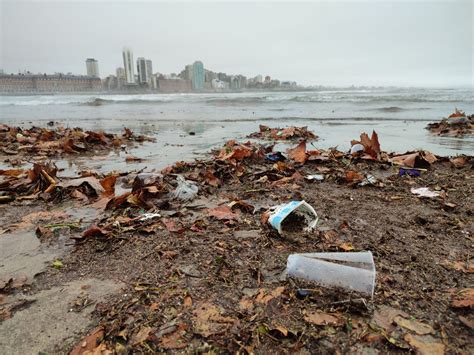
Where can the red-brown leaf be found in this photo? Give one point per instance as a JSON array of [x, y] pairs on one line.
[[298, 153], [222, 212]]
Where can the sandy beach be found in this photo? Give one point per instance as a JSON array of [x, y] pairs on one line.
[[121, 265]]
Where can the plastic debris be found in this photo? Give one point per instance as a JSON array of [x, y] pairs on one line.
[[357, 148], [275, 157], [410, 172], [368, 180], [302, 293], [316, 177], [425, 192], [148, 216], [295, 216], [457, 117], [186, 190], [351, 271]]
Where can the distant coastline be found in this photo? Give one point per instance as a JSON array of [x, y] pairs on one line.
[[134, 92]]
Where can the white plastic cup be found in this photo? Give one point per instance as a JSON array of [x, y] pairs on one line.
[[350, 271]]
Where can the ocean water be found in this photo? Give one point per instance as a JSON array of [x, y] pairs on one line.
[[398, 115]]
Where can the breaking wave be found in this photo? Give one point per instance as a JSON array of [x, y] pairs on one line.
[[388, 96]]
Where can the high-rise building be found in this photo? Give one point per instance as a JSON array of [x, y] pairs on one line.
[[258, 79], [145, 70], [92, 66], [188, 72], [128, 65], [141, 71], [120, 77], [198, 76], [149, 69]]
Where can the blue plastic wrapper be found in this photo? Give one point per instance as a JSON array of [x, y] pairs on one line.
[[275, 157], [410, 172]]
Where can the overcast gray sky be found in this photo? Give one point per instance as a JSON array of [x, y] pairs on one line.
[[320, 42]]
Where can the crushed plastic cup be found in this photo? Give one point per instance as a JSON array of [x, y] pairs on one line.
[[425, 192], [186, 190], [315, 177], [294, 216], [350, 271]]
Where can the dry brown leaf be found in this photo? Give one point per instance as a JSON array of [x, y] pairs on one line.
[[384, 316], [232, 151], [264, 296], [211, 179], [321, 318], [463, 298], [298, 153], [241, 152], [108, 183], [428, 156], [459, 266], [208, 320], [458, 162], [371, 145], [422, 159], [174, 340], [79, 196], [93, 182], [222, 212], [330, 235], [187, 302], [12, 172], [281, 329], [425, 345], [246, 304], [3, 299], [353, 176], [95, 231], [43, 232], [468, 321], [418, 327], [346, 246], [171, 225], [141, 336], [242, 205], [131, 158], [89, 343]]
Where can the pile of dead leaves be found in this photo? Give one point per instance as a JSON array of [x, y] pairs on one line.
[[27, 184], [53, 142], [42, 182], [456, 125], [289, 133]]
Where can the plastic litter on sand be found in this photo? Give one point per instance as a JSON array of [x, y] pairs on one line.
[[304, 215], [425, 192], [351, 271]]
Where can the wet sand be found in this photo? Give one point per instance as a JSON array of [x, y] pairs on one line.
[[194, 282]]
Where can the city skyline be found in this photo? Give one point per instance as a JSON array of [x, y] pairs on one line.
[[361, 43]]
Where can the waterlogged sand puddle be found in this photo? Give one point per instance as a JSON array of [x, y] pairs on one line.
[[21, 253], [54, 317]]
